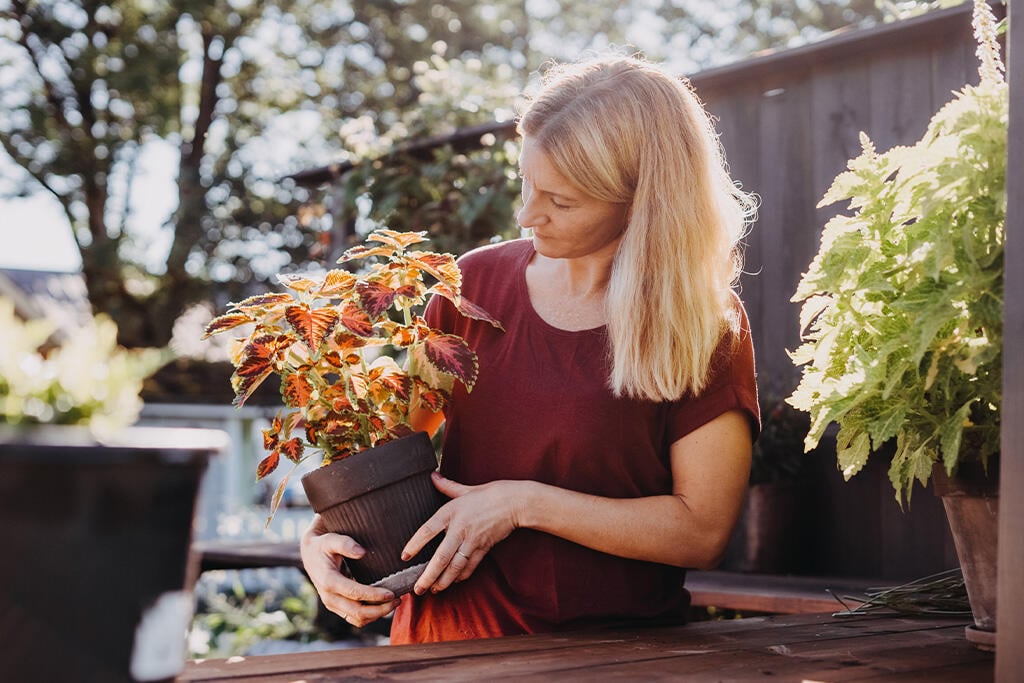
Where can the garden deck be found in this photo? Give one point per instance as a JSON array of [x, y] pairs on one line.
[[785, 648]]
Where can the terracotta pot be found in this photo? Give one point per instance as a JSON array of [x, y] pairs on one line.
[[766, 538], [97, 572], [380, 497], [971, 500]]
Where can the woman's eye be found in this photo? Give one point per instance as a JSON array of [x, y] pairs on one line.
[[559, 206]]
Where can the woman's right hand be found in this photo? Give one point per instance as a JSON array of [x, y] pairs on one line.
[[322, 553]]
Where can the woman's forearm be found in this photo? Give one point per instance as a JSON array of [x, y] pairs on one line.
[[656, 528]]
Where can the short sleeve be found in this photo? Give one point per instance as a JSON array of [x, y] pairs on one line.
[[732, 386]]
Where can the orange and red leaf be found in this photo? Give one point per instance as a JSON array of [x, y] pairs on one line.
[[296, 390], [450, 353], [262, 302], [298, 282], [441, 266], [268, 465], [292, 449], [312, 326], [336, 283], [225, 322], [375, 297], [399, 240], [464, 305], [363, 251], [386, 379], [356, 320]]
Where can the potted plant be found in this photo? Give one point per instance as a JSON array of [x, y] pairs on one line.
[[334, 340], [97, 514], [902, 310], [766, 539]]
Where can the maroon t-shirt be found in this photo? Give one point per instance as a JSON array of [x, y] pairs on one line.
[[541, 410]]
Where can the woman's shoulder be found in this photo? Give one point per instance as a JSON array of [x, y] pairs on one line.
[[499, 254]]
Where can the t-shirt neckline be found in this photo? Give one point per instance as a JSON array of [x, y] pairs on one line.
[[532, 313]]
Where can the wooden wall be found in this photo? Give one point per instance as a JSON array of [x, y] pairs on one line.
[[1010, 626], [789, 122]]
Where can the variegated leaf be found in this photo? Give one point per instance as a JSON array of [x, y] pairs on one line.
[[434, 399], [292, 449], [262, 302], [387, 379], [363, 251], [296, 390], [268, 465], [337, 283], [398, 240], [298, 282], [272, 435], [375, 297], [465, 306], [312, 326], [355, 320], [451, 354], [225, 322], [441, 266]]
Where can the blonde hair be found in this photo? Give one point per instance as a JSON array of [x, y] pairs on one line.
[[625, 131]]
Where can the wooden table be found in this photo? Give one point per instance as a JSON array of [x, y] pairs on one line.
[[799, 648]]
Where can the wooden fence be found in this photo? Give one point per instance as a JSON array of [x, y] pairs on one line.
[[789, 122]]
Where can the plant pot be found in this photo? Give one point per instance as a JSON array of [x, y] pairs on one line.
[[97, 572], [380, 497], [971, 500], [766, 538]]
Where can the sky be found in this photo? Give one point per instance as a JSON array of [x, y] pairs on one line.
[[35, 235], [34, 232]]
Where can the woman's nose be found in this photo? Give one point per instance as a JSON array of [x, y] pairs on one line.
[[528, 216]]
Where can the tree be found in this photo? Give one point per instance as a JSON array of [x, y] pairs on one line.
[[90, 85], [246, 93]]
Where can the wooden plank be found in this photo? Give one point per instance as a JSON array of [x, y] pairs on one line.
[[900, 87], [743, 647], [737, 113], [840, 110], [217, 554], [786, 225], [774, 594], [1010, 619]]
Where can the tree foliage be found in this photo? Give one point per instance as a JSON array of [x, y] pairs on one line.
[[245, 93]]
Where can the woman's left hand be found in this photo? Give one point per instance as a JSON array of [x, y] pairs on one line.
[[474, 520]]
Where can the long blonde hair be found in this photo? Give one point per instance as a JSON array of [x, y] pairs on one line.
[[626, 131]]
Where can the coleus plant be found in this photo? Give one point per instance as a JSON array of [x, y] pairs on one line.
[[333, 339], [902, 306]]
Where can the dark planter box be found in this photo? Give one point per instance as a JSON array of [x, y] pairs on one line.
[[97, 573]]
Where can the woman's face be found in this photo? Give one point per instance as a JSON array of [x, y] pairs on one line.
[[566, 222]]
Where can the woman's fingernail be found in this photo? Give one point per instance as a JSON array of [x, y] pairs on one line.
[[435, 475], [405, 557]]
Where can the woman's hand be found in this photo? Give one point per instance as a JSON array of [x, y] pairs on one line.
[[474, 520], [322, 553]]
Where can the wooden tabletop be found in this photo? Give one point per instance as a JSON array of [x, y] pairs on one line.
[[804, 647]]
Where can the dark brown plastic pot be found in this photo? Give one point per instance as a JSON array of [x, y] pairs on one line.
[[96, 572], [380, 497]]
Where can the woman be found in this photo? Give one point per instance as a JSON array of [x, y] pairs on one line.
[[606, 445]]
